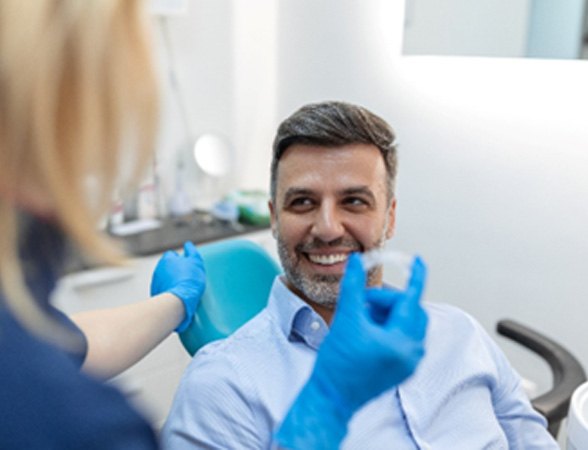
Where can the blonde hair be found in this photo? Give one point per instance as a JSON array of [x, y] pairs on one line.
[[76, 83]]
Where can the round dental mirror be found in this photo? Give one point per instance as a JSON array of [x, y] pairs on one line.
[[212, 154]]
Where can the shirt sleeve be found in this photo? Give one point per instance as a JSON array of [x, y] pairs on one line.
[[213, 410], [524, 427]]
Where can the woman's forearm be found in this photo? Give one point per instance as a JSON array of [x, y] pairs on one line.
[[119, 337]]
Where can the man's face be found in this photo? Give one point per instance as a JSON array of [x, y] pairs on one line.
[[329, 203]]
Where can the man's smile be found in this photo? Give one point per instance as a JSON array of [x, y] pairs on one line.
[[327, 259]]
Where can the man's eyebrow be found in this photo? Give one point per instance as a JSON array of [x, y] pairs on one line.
[[359, 190], [355, 190], [295, 192]]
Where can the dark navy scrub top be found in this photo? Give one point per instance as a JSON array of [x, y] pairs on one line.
[[45, 401]]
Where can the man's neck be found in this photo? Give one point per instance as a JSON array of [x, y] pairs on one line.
[[324, 311]]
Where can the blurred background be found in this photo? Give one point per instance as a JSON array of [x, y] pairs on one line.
[[492, 186]]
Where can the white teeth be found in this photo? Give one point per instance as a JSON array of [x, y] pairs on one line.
[[327, 260]]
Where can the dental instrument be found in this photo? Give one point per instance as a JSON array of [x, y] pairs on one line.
[[379, 256]]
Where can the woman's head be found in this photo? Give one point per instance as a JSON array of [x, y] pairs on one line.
[[77, 99]]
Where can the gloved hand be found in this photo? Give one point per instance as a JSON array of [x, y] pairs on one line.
[[182, 276], [375, 342]]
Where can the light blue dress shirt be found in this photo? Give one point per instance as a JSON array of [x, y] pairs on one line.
[[464, 394]]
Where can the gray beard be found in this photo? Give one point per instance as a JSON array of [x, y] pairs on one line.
[[321, 289]]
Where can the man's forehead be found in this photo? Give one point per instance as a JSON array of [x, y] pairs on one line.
[[336, 171], [320, 149]]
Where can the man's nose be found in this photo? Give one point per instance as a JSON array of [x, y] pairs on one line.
[[327, 225]]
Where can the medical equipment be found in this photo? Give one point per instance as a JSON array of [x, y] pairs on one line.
[[380, 256], [397, 265]]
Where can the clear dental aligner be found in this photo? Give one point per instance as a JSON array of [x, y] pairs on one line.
[[380, 256]]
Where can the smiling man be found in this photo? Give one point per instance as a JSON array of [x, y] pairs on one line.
[[332, 193], [329, 202]]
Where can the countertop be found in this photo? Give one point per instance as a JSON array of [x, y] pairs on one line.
[[198, 227]]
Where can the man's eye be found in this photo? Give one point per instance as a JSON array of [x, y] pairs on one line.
[[355, 202], [299, 203]]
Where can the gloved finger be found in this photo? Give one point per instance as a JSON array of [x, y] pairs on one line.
[[412, 318], [415, 286], [382, 296], [418, 277], [168, 254], [380, 302], [409, 317], [155, 287], [352, 292], [407, 314], [190, 249], [378, 314], [420, 324]]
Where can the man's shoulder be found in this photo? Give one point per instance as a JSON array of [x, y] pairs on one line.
[[447, 312], [256, 365], [234, 389], [445, 318], [243, 349], [252, 334]]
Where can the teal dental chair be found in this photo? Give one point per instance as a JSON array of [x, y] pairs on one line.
[[239, 277]]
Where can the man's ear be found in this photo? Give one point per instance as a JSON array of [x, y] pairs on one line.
[[273, 220], [391, 228]]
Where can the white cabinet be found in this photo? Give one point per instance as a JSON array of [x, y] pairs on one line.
[[151, 383]]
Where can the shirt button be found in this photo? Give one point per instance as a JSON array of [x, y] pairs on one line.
[[314, 326]]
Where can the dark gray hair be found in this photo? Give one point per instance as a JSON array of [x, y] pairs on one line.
[[334, 124]]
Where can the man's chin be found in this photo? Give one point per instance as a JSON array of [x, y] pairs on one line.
[[322, 289], [323, 292], [330, 280]]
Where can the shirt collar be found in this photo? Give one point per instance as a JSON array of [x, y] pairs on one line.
[[297, 320]]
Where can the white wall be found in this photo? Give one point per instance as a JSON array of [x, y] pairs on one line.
[[224, 54], [202, 56]]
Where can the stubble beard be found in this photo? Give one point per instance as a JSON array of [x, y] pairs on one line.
[[320, 288]]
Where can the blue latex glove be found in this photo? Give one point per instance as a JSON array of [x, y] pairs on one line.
[[375, 342], [182, 276]]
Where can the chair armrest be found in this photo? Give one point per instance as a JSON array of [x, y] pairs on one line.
[[567, 372]]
